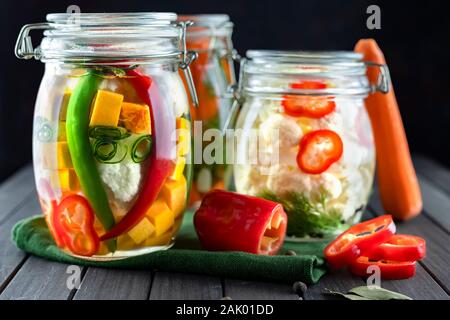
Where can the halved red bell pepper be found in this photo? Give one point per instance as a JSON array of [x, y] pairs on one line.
[[399, 247], [318, 150], [358, 239], [393, 270], [308, 106], [161, 160], [75, 218], [228, 221]]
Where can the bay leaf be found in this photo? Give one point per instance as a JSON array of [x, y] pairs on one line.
[[378, 293]]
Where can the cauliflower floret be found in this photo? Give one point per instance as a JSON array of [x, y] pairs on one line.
[[328, 183], [289, 132], [122, 179], [177, 95], [285, 178], [251, 179]]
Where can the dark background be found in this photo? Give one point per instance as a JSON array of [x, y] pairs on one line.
[[415, 38]]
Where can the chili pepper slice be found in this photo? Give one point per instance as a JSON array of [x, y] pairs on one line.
[[76, 220], [161, 163], [77, 130], [48, 204], [393, 270], [358, 239], [400, 247], [228, 221], [318, 150], [308, 106]]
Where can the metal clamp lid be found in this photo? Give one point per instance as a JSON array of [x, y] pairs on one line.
[[24, 46]]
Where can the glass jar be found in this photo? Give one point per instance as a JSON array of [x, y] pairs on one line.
[[305, 138], [213, 73], [111, 131]]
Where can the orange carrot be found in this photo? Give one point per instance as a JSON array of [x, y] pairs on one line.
[[397, 180]]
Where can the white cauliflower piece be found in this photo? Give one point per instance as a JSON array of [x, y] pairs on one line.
[[122, 179], [326, 182], [286, 128], [284, 178]]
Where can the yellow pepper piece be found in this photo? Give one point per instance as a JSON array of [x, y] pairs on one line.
[[136, 117], [124, 242], [174, 193], [106, 109], [63, 155], [64, 104], [161, 216], [184, 136], [161, 240], [141, 231], [179, 168], [68, 180], [62, 131]]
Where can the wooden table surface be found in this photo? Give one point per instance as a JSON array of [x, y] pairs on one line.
[[27, 277]]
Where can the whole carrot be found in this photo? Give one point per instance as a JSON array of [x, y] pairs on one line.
[[397, 180]]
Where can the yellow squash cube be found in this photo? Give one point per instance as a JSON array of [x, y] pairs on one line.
[[64, 104], [174, 194], [179, 168], [62, 131], [136, 117], [183, 136], [106, 109], [141, 231], [161, 240], [161, 216], [68, 180], [63, 155]]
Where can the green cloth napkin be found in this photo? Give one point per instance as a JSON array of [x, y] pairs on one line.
[[32, 236]]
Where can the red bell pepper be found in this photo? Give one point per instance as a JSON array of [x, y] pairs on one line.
[[75, 218], [388, 269], [318, 150], [161, 158], [357, 240], [308, 106], [400, 247], [228, 221]]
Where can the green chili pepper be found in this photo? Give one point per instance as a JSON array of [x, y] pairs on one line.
[[77, 130]]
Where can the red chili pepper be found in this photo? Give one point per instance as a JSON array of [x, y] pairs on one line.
[[400, 247], [75, 217], [228, 221], [393, 270], [318, 150], [161, 158], [48, 204], [308, 106], [357, 240]]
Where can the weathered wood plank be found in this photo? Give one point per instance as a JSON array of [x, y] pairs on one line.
[[14, 190], [433, 171], [340, 280], [38, 279], [436, 203], [257, 290], [421, 286], [11, 257], [179, 286], [438, 252], [113, 284]]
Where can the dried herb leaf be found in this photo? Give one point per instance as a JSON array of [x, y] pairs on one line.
[[377, 293], [369, 293]]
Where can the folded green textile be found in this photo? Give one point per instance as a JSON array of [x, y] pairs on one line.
[[32, 236]]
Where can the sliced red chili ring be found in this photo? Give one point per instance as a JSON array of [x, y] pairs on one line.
[[358, 239], [308, 106], [388, 269], [318, 150], [400, 247]]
